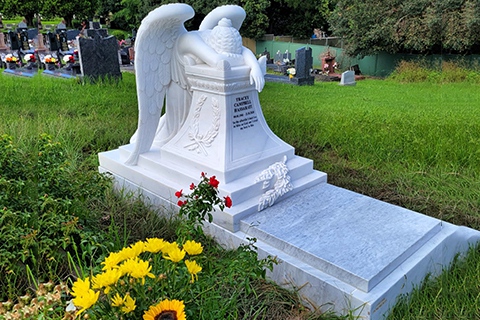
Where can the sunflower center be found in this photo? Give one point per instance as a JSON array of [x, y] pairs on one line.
[[167, 315]]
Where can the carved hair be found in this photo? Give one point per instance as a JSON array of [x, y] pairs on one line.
[[225, 39]]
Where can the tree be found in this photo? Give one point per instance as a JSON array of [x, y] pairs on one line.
[[416, 26], [84, 9], [298, 18], [131, 12], [25, 8], [256, 22]]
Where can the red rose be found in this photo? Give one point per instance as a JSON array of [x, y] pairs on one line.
[[192, 186], [178, 194], [214, 182], [203, 174], [180, 203], [228, 201]]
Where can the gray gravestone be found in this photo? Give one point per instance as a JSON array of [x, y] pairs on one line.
[[348, 78], [99, 57], [278, 56], [303, 65]]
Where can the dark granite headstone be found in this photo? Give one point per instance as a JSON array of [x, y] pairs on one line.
[[14, 41], [32, 33], [287, 55], [303, 67], [72, 34], [24, 40], [96, 25], [99, 57], [62, 39], [52, 42], [91, 33]]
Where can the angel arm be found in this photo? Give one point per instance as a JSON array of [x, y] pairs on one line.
[[192, 43], [257, 76]]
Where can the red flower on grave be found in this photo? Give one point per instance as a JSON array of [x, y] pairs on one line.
[[203, 174], [192, 186], [228, 201], [178, 194], [214, 182]]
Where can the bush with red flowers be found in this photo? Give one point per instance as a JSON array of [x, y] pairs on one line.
[[200, 202]]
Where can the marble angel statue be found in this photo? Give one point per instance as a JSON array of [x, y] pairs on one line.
[[162, 49]]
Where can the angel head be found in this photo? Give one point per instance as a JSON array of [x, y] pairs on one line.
[[224, 38]]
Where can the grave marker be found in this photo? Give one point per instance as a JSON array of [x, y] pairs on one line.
[[99, 57], [348, 78], [3, 45], [303, 67]]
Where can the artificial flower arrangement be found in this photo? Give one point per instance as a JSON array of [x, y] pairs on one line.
[[151, 279], [11, 58], [30, 58], [49, 59], [68, 58], [291, 72]]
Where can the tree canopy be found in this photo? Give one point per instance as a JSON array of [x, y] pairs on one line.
[[367, 27], [416, 26]]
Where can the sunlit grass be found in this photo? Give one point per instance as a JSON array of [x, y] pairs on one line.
[[412, 144]]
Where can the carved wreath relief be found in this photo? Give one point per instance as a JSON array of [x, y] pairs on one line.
[[282, 184], [201, 141]]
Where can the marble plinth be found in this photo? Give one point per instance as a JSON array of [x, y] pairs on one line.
[[225, 135]]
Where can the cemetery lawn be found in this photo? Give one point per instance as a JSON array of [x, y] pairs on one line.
[[415, 145]]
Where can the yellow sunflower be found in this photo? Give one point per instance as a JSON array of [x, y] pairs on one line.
[[166, 309]]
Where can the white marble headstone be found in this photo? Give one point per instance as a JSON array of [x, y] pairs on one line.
[[348, 78]]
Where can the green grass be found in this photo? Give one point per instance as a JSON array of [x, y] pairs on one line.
[[412, 144], [416, 145]]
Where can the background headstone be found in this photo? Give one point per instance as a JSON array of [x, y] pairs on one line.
[[348, 78], [303, 66], [91, 33], [40, 46], [99, 57], [278, 57], [32, 33], [14, 41], [3, 45], [52, 41], [72, 34]]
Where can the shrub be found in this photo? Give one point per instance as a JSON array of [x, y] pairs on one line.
[[43, 214], [445, 72], [119, 34]]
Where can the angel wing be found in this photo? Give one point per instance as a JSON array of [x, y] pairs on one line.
[[154, 49]]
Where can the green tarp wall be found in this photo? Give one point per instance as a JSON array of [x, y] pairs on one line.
[[380, 65]]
